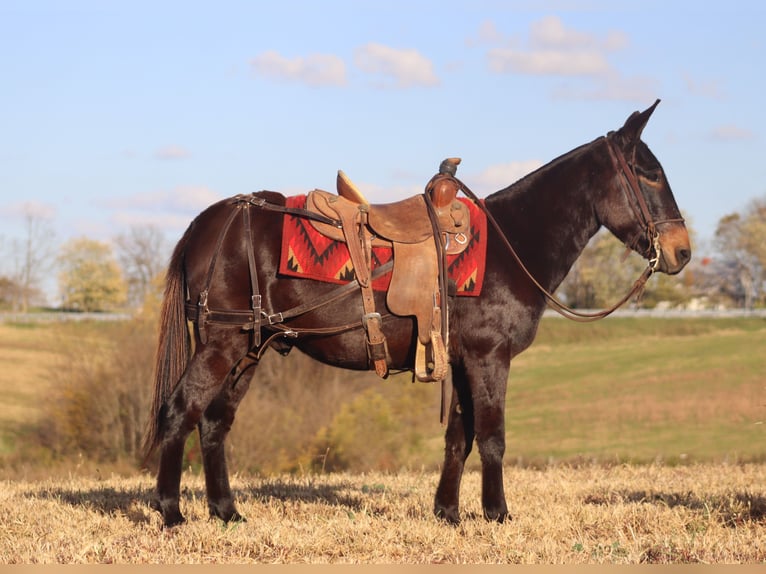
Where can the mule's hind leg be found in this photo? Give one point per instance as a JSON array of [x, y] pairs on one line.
[[458, 442], [198, 386], [213, 428]]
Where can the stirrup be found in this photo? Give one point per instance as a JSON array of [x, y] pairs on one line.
[[431, 360]]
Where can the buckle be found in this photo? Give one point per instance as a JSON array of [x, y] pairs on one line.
[[366, 318], [275, 318]]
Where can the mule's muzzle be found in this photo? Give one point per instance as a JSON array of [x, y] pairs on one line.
[[676, 249]]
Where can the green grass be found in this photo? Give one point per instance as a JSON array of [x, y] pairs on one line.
[[623, 389], [640, 390]]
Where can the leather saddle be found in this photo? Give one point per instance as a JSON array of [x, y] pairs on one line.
[[421, 230]]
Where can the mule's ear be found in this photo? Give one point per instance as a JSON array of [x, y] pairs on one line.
[[630, 133]]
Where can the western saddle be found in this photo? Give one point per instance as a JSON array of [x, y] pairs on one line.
[[422, 230]]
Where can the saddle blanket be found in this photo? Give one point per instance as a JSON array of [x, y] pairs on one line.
[[308, 254]]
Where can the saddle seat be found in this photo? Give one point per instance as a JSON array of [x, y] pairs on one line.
[[418, 272]]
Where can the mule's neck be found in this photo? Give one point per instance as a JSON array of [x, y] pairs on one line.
[[550, 215]]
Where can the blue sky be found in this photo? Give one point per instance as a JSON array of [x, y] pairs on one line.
[[126, 113]]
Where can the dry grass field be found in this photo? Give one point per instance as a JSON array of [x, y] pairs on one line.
[[562, 515], [629, 441]]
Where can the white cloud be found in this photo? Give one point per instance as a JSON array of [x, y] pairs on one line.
[[707, 88], [376, 193], [400, 68], [612, 87], [502, 175], [172, 152], [551, 33], [731, 132], [487, 34], [184, 199], [23, 209], [553, 49], [314, 70], [164, 221], [548, 62]]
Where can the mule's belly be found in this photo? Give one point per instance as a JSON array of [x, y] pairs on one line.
[[348, 350]]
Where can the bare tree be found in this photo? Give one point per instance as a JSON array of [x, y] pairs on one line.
[[32, 256], [142, 255], [739, 241]]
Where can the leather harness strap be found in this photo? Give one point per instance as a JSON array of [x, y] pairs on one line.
[[359, 242], [255, 296], [636, 199], [202, 310]]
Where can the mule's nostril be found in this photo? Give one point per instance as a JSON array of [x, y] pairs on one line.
[[683, 256]]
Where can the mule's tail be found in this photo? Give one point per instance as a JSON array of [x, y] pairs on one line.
[[174, 347]]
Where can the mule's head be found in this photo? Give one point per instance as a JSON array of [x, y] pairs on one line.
[[641, 210]]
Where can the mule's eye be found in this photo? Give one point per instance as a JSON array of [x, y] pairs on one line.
[[652, 176]]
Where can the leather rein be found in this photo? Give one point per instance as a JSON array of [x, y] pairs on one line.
[[255, 317], [637, 202]]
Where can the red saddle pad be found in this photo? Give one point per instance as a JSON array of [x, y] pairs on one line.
[[308, 254]]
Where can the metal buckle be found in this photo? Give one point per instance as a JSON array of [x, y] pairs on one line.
[[654, 262], [367, 317], [275, 318]]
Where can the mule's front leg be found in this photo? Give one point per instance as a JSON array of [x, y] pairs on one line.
[[490, 438], [458, 442], [488, 378]]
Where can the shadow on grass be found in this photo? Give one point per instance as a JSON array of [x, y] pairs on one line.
[[347, 495], [132, 503], [732, 509]]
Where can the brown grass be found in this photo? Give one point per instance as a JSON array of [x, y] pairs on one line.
[[592, 514], [25, 373]]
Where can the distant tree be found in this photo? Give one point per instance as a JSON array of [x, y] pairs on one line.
[[142, 253], [605, 271], [31, 256], [740, 263], [8, 291], [90, 278]]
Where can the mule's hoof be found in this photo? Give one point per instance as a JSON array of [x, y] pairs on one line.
[[175, 519], [497, 516], [225, 511], [170, 516], [227, 518], [237, 517], [449, 515]]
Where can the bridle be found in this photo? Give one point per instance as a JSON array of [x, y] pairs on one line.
[[637, 202]]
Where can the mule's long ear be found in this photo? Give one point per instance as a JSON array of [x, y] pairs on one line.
[[630, 133]]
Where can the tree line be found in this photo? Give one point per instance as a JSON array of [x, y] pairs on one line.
[[91, 275], [97, 275], [728, 273]]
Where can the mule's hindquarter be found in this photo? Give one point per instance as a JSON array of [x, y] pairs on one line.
[[210, 389]]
